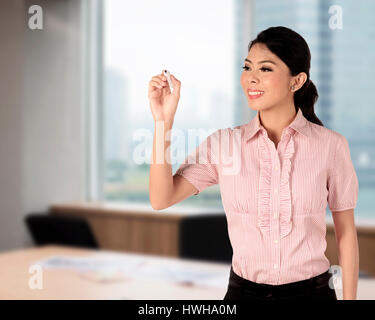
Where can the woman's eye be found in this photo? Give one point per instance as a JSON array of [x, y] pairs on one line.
[[263, 68]]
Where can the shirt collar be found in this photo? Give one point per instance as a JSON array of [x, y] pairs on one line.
[[300, 124]]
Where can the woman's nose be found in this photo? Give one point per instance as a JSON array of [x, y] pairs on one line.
[[252, 78]]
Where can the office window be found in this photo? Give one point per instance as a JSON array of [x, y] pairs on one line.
[[341, 68], [195, 40], [202, 42]]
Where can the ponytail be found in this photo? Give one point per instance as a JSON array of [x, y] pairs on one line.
[[305, 99]]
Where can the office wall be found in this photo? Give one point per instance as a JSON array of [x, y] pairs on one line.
[[42, 128]]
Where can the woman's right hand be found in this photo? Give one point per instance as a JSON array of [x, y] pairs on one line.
[[163, 103]]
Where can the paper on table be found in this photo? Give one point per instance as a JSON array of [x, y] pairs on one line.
[[91, 263], [136, 267], [188, 275], [96, 269]]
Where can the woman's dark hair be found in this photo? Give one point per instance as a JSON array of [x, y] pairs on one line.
[[293, 50]]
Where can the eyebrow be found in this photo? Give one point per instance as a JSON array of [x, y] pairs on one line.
[[270, 61]]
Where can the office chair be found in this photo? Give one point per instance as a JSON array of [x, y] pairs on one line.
[[63, 230], [205, 237]]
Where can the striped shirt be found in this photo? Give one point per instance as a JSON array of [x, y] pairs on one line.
[[275, 199]]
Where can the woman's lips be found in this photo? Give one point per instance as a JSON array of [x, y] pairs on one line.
[[255, 94]]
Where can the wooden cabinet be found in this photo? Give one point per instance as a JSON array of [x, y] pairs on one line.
[[131, 228], [127, 230]]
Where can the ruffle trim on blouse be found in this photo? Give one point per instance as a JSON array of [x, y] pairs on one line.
[[264, 207], [264, 204]]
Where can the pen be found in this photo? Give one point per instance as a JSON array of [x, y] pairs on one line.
[[168, 76]]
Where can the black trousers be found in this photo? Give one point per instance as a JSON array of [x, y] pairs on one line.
[[316, 288]]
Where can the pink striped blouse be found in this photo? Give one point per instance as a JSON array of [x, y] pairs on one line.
[[275, 199]]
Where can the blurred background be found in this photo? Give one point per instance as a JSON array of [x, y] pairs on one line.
[[74, 109]]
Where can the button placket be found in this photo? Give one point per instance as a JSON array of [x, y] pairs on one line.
[[274, 226], [275, 184], [275, 196]]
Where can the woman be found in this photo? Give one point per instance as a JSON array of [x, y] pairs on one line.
[[290, 165]]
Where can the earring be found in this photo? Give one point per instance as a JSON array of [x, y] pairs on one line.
[[293, 88]]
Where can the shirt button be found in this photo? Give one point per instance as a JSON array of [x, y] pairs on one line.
[[275, 190], [275, 266], [275, 215], [276, 241]]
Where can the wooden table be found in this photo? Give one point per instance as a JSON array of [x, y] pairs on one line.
[[69, 284], [66, 285]]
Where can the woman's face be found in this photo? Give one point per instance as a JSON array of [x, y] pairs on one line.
[[272, 79]]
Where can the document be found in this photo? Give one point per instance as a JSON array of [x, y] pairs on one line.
[[122, 268]]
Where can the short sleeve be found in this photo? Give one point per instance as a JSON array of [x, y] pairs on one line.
[[342, 181], [200, 167]]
